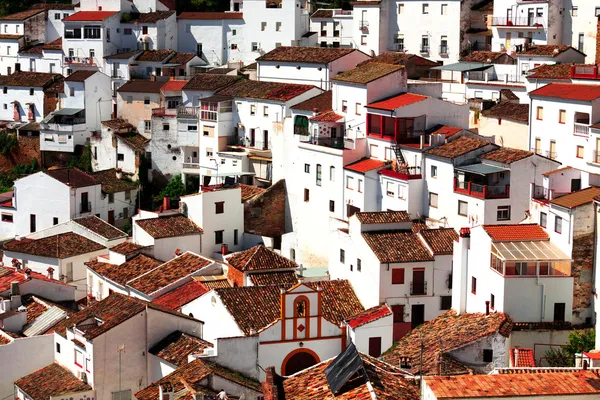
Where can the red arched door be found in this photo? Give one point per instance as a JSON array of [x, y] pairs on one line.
[[297, 362]]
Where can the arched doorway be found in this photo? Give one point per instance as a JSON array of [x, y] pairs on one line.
[[298, 360]]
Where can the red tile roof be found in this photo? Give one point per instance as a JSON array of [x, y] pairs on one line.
[[509, 111], [578, 198], [85, 16], [99, 226], [400, 58], [10, 37], [592, 355], [213, 281], [515, 385], [141, 86], [31, 79], [458, 147], [524, 358], [365, 165], [210, 15], [174, 86], [126, 248], [397, 246], [177, 298], [368, 316], [515, 232], [319, 103], [443, 334], [170, 226], [62, 245], [72, 177], [10, 274], [506, 155], [440, 241], [79, 76], [366, 73], [398, 101], [210, 82], [259, 258], [551, 71], [568, 91], [176, 347], [53, 380], [274, 278], [446, 130], [319, 55], [249, 191], [382, 217], [121, 274], [557, 171], [276, 91], [545, 50], [22, 15], [327, 116], [169, 273]]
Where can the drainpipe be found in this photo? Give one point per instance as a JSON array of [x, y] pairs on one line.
[[543, 295]]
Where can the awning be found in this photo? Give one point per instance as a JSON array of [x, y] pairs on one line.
[[529, 251], [68, 111], [481, 169], [463, 67]]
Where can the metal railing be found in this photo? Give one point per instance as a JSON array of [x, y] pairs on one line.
[[164, 112], [424, 49], [80, 60], [581, 129], [482, 191], [85, 207], [336, 143], [206, 115], [191, 165], [443, 49], [187, 111], [418, 288], [518, 21]]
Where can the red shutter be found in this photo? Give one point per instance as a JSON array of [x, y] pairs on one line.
[[398, 311], [397, 276]]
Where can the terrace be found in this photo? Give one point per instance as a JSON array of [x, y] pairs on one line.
[[482, 181], [530, 259]]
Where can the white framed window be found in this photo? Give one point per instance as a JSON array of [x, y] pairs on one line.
[[401, 189], [574, 11], [433, 200], [360, 186], [444, 9], [147, 125], [79, 361], [426, 8], [503, 213], [263, 26], [278, 26], [401, 8], [358, 110], [389, 189], [463, 208], [332, 173], [344, 106], [434, 171], [350, 182]]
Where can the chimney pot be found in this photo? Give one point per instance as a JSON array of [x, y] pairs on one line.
[[224, 249], [50, 271], [166, 203]]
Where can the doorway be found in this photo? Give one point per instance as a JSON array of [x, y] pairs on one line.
[[417, 315]]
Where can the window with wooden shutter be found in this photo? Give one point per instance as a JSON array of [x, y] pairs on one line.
[[397, 276]]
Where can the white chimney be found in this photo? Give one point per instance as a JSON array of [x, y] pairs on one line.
[[460, 273]]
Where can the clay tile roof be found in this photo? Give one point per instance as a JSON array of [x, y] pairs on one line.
[[568, 91], [19, 16], [141, 86], [134, 140], [148, 18], [63, 245], [131, 269], [524, 358], [383, 217], [545, 50], [327, 116], [213, 281], [400, 58], [72, 177], [30, 79], [369, 315], [259, 258], [85, 16], [549, 385], [177, 298], [154, 55], [122, 56], [101, 227], [578, 198], [32, 49], [365, 165], [181, 58], [118, 124], [515, 232], [53, 380], [210, 82], [320, 103], [394, 102], [265, 90], [322, 13], [557, 171], [446, 130], [255, 307], [510, 111], [126, 248], [397, 246], [54, 45], [387, 382], [170, 272], [176, 347], [367, 73], [211, 15], [110, 183], [443, 334], [440, 241], [507, 94], [249, 191], [170, 226], [10, 274], [483, 56], [274, 278], [319, 55], [458, 147], [550, 71], [79, 76], [506, 155], [10, 37], [54, 6]]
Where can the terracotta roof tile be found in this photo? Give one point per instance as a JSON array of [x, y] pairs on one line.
[[383, 217], [262, 90], [400, 58], [80, 76], [484, 56], [368, 316], [177, 298], [249, 191], [515, 385], [126, 248], [176, 347], [398, 101], [524, 358], [148, 18], [22, 15], [210, 15], [54, 45], [110, 183], [443, 334], [141, 86], [10, 274], [124, 55], [445, 130], [10, 37], [367, 73], [320, 103], [181, 58], [274, 278], [170, 226], [134, 140], [215, 282], [32, 49], [210, 82], [259, 258], [578, 198], [100, 227], [550, 71], [322, 13], [127, 271], [319, 55], [72, 177], [326, 116], [510, 111], [85, 16], [31, 79], [440, 241], [545, 50], [506, 155], [170, 272], [397, 246], [255, 307], [365, 165], [557, 171], [62, 245], [568, 91], [515, 232], [458, 147], [55, 6], [51, 381], [485, 5], [118, 124]]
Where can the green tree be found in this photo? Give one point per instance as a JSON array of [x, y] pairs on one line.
[[82, 161], [579, 340], [174, 189], [7, 142]]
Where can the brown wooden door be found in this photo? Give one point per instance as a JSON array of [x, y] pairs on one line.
[[375, 346]]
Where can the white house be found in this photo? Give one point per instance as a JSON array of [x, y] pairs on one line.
[[148, 30], [135, 101], [333, 27], [540, 54], [580, 19]]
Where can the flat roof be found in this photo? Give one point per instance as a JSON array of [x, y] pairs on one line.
[[529, 251], [481, 169], [463, 67]]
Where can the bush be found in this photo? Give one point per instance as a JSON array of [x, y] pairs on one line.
[[7, 142], [82, 161], [174, 189], [579, 341]]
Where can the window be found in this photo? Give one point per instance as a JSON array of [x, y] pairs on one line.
[[434, 171], [350, 183], [192, 128], [444, 10], [219, 207], [252, 109], [72, 92], [401, 192], [254, 46], [562, 116], [342, 256], [492, 301], [580, 42], [375, 346], [78, 358], [263, 26], [91, 32], [111, 198], [56, 15], [426, 8], [358, 110], [147, 125], [463, 208], [433, 200], [318, 175], [389, 189], [488, 355], [579, 152], [218, 237], [344, 106], [146, 100], [209, 152], [331, 206], [307, 168], [543, 219], [360, 186], [233, 32], [129, 99], [144, 30], [557, 224], [92, 53], [235, 237], [127, 31], [363, 40], [540, 113], [574, 11], [473, 285], [278, 26], [127, 194], [444, 50], [58, 347], [31, 91], [165, 127], [446, 302], [397, 276], [4, 90], [7, 217], [503, 213], [265, 111], [234, 46], [306, 195], [32, 227], [332, 173], [400, 8]]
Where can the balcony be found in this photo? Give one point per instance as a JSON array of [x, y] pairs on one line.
[[363, 25], [424, 49], [418, 288], [187, 111], [443, 50], [535, 22], [581, 129], [336, 143], [530, 268], [80, 60], [585, 72], [482, 191], [541, 193], [85, 207], [164, 112]]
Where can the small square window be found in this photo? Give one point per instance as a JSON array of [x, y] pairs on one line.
[[234, 46], [397, 276], [31, 91], [444, 10], [219, 207], [147, 126], [252, 109], [574, 11], [488, 355], [165, 127], [146, 100], [543, 219], [446, 302], [540, 113], [562, 116], [218, 237], [558, 224], [473, 285], [579, 152], [344, 106], [400, 8], [58, 347], [342, 256], [503, 213], [55, 221], [306, 195], [358, 110], [331, 206], [120, 157], [426, 8], [434, 171], [463, 208], [265, 111], [56, 15], [307, 168], [433, 200], [263, 26]]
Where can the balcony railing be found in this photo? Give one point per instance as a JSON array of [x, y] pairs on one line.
[[363, 25], [581, 129], [444, 50], [206, 115], [191, 165], [80, 60], [336, 143], [518, 21], [164, 112], [482, 191], [187, 111], [424, 49], [418, 288], [542, 193], [85, 207]]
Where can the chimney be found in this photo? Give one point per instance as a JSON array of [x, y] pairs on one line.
[[271, 384], [487, 307], [15, 295], [460, 271], [166, 203], [50, 271], [165, 391], [598, 42], [515, 357], [224, 249]]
